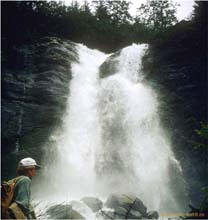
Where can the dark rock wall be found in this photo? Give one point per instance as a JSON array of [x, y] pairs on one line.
[[35, 86], [176, 68]]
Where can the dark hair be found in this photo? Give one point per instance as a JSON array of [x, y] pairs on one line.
[[21, 171]]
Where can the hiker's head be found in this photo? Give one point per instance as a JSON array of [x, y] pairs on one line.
[[27, 166]]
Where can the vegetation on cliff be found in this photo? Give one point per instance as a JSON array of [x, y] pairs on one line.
[[106, 25]]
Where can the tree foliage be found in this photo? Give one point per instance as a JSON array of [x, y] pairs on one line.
[[158, 15], [108, 27], [103, 28], [202, 133]]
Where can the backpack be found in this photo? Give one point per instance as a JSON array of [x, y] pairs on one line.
[[7, 193]]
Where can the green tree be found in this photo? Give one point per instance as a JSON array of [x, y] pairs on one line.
[[119, 12], [101, 11], [202, 133], [157, 15], [115, 12], [85, 8]]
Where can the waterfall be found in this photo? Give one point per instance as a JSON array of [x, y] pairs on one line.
[[111, 138]]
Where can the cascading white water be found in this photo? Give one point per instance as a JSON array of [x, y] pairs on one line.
[[135, 155], [111, 139]]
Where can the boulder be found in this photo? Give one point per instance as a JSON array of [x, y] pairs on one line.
[[63, 212], [152, 215], [94, 203], [133, 214], [126, 206]]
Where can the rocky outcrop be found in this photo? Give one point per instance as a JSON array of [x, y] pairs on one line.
[[35, 85]]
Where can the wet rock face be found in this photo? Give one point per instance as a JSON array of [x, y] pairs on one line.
[[63, 212], [125, 201], [109, 67], [35, 85], [94, 203], [152, 215], [126, 207]]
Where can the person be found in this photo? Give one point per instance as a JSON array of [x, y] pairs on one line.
[[21, 207]]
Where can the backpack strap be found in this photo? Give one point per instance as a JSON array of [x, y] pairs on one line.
[[18, 178], [15, 181]]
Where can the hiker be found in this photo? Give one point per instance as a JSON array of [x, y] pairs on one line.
[[20, 207]]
